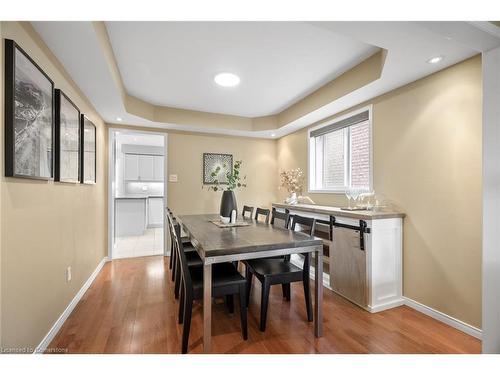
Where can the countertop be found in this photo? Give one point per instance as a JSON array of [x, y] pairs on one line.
[[337, 211], [131, 196]]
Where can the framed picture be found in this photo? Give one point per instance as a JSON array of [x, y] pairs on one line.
[[29, 117], [67, 139], [88, 154], [210, 164]]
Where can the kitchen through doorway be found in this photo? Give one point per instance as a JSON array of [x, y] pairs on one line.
[[137, 193]]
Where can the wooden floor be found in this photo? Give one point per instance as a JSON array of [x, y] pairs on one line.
[[130, 308]]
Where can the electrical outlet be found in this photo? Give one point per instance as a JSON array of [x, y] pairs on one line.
[[68, 274], [172, 178]]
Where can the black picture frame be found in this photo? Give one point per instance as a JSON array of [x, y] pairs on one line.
[[210, 162], [84, 121], [60, 137], [24, 112]]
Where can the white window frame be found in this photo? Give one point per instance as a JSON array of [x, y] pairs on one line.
[[311, 153]]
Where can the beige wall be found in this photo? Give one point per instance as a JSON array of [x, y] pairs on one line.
[[185, 159], [46, 226], [427, 159], [185, 155]]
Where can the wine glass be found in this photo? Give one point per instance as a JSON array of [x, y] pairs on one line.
[[355, 195], [348, 195]]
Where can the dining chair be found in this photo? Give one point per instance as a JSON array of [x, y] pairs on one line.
[[226, 280], [272, 271], [192, 257], [262, 212], [185, 240], [245, 210]]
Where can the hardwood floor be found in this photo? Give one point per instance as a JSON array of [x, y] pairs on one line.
[[130, 308]]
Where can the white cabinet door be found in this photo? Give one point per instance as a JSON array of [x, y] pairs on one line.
[[131, 167], [146, 168], [158, 168], [155, 212]]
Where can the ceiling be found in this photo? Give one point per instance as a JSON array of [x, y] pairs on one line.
[[173, 63]]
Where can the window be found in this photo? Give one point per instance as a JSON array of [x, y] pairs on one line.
[[340, 154]]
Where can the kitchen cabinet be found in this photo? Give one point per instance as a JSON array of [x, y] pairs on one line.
[[131, 167], [139, 167], [155, 212], [158, 168], [130, 216]]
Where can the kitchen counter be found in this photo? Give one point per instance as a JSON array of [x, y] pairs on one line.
[[337, 211]]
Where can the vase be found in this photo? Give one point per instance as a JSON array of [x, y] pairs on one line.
[[228, 203]]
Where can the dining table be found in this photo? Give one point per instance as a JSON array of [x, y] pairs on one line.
[[253, 239]]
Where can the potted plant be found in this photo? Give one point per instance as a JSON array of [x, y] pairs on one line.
[[234, 181], [293, 181]]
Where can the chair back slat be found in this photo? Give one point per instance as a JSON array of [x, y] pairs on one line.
[[262, 212], [281, 216], [248, 209], [303, 221]]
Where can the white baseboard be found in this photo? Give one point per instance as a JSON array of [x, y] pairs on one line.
[[429, 311], [442, 317], [60, 321]]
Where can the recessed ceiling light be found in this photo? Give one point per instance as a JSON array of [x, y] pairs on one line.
[[227, 79], [273, 135], [435, 60], [119, 119]]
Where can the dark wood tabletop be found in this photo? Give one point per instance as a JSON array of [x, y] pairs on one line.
[[212, 241]]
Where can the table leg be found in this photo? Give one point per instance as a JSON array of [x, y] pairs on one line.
[[318, 293], [207, 308]]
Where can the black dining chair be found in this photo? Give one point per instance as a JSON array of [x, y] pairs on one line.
[[262, 212], [245, 210], [272, 271], [192, 257], [226, 280], [185, 240]]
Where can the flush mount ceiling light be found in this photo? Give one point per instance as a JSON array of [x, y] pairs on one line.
[[435, 60], [227, 79]]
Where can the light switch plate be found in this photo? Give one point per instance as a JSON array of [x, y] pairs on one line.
[[172, 178], [68, 274]]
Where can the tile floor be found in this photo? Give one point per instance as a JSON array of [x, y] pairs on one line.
[[150, 243]]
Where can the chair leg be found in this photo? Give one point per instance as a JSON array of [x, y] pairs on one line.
[[286, 291], [188, 310], [307, 289], [230, 303], [263, 304], [243, 312], [249, 277], [181, 306]]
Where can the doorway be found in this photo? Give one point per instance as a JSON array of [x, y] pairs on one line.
[[137, 193]]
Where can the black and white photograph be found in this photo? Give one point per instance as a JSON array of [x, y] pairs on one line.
[[67, 139], [88, 147], [29, 116], [210, 163]]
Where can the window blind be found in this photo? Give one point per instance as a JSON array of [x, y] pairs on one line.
[[353, 120]]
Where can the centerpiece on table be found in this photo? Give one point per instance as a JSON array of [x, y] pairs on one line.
[[293, 181], [233, 181]]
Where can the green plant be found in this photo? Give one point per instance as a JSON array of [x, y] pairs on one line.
[[234, 179]]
